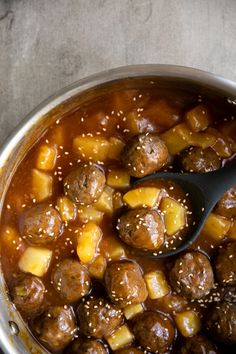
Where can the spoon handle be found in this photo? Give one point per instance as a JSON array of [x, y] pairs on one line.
[[221, 180]]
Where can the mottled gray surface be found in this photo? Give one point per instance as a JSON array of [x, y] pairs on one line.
[[47, 44]]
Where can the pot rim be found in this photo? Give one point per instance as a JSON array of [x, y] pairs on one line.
[[7, 342]]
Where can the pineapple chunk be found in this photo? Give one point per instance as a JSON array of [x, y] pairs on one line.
[[66, 208], [131, 311], [118, 178], [156, 284], [117, 200], [143, 196], [98, 267], [174, 215], [91, 148], [87, 242], [232, 231], [198, 118], [216, 226], [10, 239], [89, 213], [47, 157], [136, 124], [35, 261], [222, 145], [57, 136], [188, 323], [114, 249], [105, 201], [180, 137], [41, 185], [120, 338], [115, 148]]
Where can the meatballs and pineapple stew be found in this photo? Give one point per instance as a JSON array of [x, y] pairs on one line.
[[76, 217]]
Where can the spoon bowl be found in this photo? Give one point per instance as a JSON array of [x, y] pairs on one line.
[[204, 190]]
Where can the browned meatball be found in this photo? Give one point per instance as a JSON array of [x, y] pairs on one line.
[[71, 280], [125, 284], [198, 345], [28, 293], [196, 159], [154, 332], [227, 204], [141, 228], [41, 224], [221, 322], [226, 265], [86, 346], [85, 184], [130, 350], [56, 327], [98, 317], [144, 154], [192, 275]]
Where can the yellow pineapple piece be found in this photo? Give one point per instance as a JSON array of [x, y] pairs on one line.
[[198, 118], [142, 196], [117, 200], [105, 201], [47, 157], [87, 242], [66, 208], [91, 148], [57, 136], [188, 323], [115, 148], [41, 185], [180, 137], [222, 145], [118, 178], [216, 226], [131, 311], [157, 285], [114, 249], [174, 215], [136, 124], [120, 338], [10, 239], [35, 260], [98, 267], [89, 213]]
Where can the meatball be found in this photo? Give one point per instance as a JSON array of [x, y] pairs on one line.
[[71, 280], [130, 350], [125, 284], [28, 294], [98, 317], [141, 228], [221, 322], [227, 204], [226, 265], [41, 224], [154, 332], [86, 346], [144, 154], [198, 345], [192, 275], [85, 184], [56, 327], [196, 159]]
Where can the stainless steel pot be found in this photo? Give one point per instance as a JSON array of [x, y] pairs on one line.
[[14, 336]]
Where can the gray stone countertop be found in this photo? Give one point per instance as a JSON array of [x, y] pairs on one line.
[[47, 44]]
